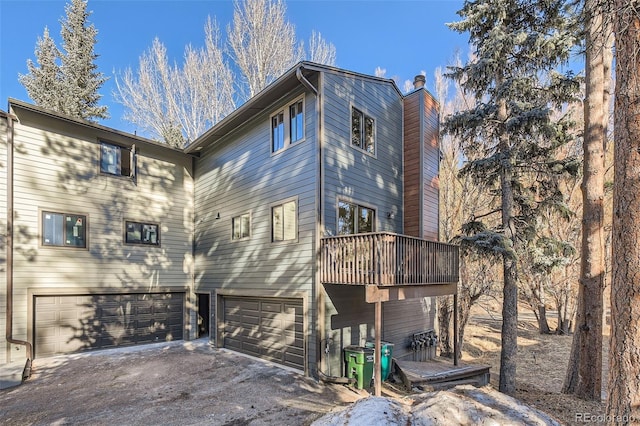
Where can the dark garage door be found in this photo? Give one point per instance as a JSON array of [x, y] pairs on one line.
[[65, 324], [268, 328]]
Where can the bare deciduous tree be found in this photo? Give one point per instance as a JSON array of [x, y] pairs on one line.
[[263, 43], [321, 51], [177, 104]]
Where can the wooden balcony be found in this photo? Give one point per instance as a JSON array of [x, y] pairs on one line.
[[385, 259]]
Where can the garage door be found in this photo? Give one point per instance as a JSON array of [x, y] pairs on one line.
[[268, 328], [65, 324]]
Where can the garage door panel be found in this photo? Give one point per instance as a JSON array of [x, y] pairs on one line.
[[269, 328], [65, 324]]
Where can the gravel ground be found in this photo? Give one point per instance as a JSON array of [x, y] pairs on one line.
[[178, 383]]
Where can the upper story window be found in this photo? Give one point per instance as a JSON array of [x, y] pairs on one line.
[[355, 219], [363, 131], [117, 160], [296, 120], [64, 230], [277, 132], [287, 126], [241, 227], [284, 221], [142, 233]]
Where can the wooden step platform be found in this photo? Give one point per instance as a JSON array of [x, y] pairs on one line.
[[441, 374]]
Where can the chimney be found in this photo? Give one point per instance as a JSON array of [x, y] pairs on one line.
[[419, 81]]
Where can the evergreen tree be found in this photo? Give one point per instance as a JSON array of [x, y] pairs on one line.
[[80, 73], [43, 81], [510, 137], [68, 81]]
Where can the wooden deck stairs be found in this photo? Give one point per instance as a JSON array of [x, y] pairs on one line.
[[437, 374]]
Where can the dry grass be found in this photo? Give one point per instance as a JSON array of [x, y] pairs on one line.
[[542, 362]]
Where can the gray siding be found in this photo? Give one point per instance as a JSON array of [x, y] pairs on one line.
[[350, 173], [57, 169], [4, 351], [240, 175], [375, 181]]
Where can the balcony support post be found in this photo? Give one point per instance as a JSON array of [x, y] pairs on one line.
[[455, 329], [378, 350]]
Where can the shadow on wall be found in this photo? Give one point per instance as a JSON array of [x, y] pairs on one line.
[[122, 289]]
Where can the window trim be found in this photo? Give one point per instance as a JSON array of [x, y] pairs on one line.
[[64, 246], [233, 218], [358, 204], [133, 159], [365, 114], [297, 225], [143, 223], [286, 120]]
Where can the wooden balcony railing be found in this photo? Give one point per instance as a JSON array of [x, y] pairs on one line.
[[387, 259]]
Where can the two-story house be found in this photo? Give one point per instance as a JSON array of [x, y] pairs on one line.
[[304, 222]]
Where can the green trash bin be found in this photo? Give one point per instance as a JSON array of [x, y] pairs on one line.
[[385, 360], [359, 362]]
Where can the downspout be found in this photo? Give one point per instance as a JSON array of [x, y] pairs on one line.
[[9, 322], [318, 296]]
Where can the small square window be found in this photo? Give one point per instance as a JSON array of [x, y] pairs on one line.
[[362, 131], [241, 227], [142, 233], [64, 230], [117, 160], [284, 222]]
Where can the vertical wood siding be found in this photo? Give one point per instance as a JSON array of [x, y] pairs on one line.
[[430, 165], [422, 158], [57, 169], [240, 175]]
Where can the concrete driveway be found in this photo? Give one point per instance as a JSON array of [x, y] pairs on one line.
[[177, 383]]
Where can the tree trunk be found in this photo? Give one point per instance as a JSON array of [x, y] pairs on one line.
[[543, 324], [509, 333], [623, 405], [444, 326], [587, 340]]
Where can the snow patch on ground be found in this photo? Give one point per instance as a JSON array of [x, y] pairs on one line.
[[462, 405]]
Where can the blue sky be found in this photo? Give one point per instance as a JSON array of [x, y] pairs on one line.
[[403, 37]]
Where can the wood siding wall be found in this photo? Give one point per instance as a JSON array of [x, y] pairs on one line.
[[240, 175], [422, 157], [57, 169]]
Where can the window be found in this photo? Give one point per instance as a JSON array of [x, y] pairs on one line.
[[362, 131], [64, 230], [284, 222], [142, 233], [287, 126], [117, 160], [240, 227], [277, 131], [296, 117], [354, 219]]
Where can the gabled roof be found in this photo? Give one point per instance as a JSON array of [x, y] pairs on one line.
[[274, 91], [15, 104]]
